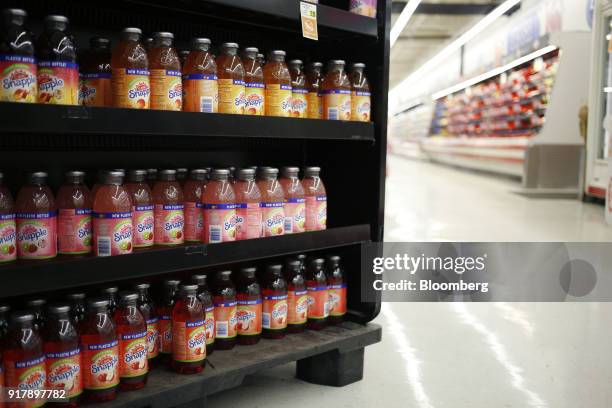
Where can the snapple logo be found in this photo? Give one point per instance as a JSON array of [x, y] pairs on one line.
[[197, 340], [19, 78], [151, 338], [228, 225], [124, 234], [141, 89], [137, 353], [176, 224], [299, 217], [239, 219], [105, 363], [240, 100], [254, 100], [175, 92], [49, 83], [145, 225], [346, 106], [363, 108], [87, 91], [277, 219], [64, 373], [299, 104], [286, 104], [84, 231], [32, 233], [33, 381], [8, 236]]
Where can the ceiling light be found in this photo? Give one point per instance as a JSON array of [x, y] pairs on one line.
[[403, 19]]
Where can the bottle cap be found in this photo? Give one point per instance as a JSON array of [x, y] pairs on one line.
[[170, 287], [142, 287], [76, 296], [127, 297], [293, 264], [220, 174], [38, 177], [317, 262], [274, 269], [199, 279], [96, 304], [312, 171], [55, 21], [248, 272], [315, 65], [288, 172], [4, 308], [333, 260], [131, 34], [113, 178], [260, 58], [202, 44], [163, 35], [229, 45], [198, 174], [277, 55], [250, 52], [181, 174], [21, 316], [167, 175], [340, 63], [246, 174], [296, 63], [36, 303], [137, 176], [58, 308], [357, 65], [224, 274], [15, 16], [186, 289], [99, 42], [112, 290], [267, 173], [75, 177]]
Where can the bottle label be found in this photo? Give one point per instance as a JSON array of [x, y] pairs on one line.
[[318, 306], [194, 222], [231, 96], [295, 215], [131, 88], [64, 372], [166, 90], [18, 76], [225, 320], [100, 365], [315, 105], [169, 224], [189, 341], [95, 89], [112, 233], [74, 231], [209, 324], [248, 221], [360, 106], [337, 300], [364, 7], [299, 103], [297, 304], [27, 375], [58, 82], [278, 100], [37, 235], [133, 355], [220, 222], [254, 99], [273, 218], [249, 317], [152, 338], [274, 315], [165, 334], [336, 104], [8, 238], [201, 93], [316, 213], [144, 222]]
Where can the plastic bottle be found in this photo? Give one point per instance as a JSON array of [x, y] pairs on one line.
[[130, 72], [360, 93], [200, 79], [37, 307], [100, 349], [188, 332], [297, 296], [95, 88], [337, 289], [166, 76], [74, 235], [272, 201], [250, 309], [132, 333], [299, 92], [58, 71], [278, 85], [274, 293], [219, 208], [142, 209], [18, 69], [336, 91], [8, 227], [302, 259], [226, 323], [316, 199], [112, 217], [248, 210], [209, 310], [36, 219], [295, 200], [63, 354], [316, 284], [254, 83], [231, 80], [169, 210], [164, 311], [313, 85], [112, 295], [149, 312], [77, 307], [193, 191]]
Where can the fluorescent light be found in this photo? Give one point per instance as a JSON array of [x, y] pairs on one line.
[[493, 72], [403, 19]]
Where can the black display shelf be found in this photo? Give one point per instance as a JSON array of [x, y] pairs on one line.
[[28, 277]]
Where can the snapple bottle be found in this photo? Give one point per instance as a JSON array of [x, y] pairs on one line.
[[316, 284], [164, 311], [299, 92], [231, 80], [112, 217], [272, 202], [219, 208], [166, 81], [209, 310], [248, 209], [337, 289], [58, 71], [130, 72], [100, 350], [200, 87], [63, 354], [147, 308], [295, 200], [274, 293], [193, 191], [313, 85], [316, 199], [95, 88], [249, 307], [142, 208], [297, 297], [169, 210], [37, 307], [74, 235], [188, 332], [8, 228], [77, 307], [336, 91], [36, 219], [225, 302], [112, 295], [132, 333], [17, 63], [278, 85], [254, 83], [360, 93]]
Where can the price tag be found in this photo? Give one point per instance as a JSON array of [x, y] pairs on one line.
[[308, 12]]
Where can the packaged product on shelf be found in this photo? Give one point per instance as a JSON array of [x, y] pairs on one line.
[[337, 289], [130, 72], [363, 7], [77, 307], [112, 217], [226, 308], [336, 92], [36, 219], [147, 308], [132, 334], [209, 310], [278, 85], [18, 69], [183, 54], [316, 199], [166, 76], [360, 93], [37, 307], [169, 209], [219, 208], [58, 71], [272, 201], [261, 59], [316, 284], [74, 235], [295, 204], [151, 177], [248, 210], [193, 190], [164, 312], [254, 83], [200, 86], [249, 313], [274, 293], [142, 208], [181, 175], [297, 296], [188, 332], [231, 80], [299, 93], [63, 354], [112, 295], [95, 87], [313, 85], [8, 227]]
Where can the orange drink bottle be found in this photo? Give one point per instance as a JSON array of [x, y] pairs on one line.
[[95, 88], [188, 332], [272, 201], [130, 72], [193, 190], [149, 312], [166, 76], [164, 311], [200, 86], [297, 296], [224, 298], [249, 307], [248, 209], [219, 208], [274, 318], [360, 93], [295, 200], [132, 333], [278, 85], [299, 92], [142, 208], [336, 91], [337, 289], [169, 210], [209, 310], [231, 80], [254, 83], [316, 199], [316, 284], [313, 85], [74, 235], [8, 228]]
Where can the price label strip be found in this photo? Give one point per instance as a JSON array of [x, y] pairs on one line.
[[308, 12]]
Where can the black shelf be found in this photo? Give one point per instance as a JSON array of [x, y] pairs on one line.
[[28, 277]]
